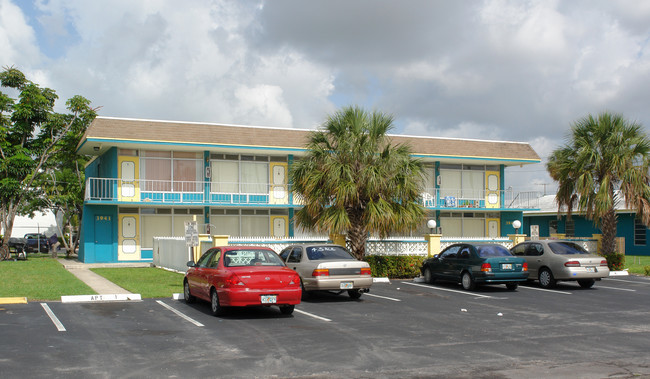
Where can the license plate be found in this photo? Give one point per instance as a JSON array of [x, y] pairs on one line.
[[346, 285], [506, 266], [590, 269], [269, 299]]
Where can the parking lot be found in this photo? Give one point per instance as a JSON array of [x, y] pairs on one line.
[[400, 329]]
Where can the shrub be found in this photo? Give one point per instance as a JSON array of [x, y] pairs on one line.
[[647, 270], [615, 261], [395, 266]]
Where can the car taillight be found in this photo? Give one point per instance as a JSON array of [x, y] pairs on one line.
[[525, 267], [321, 272], [295, 281], [603, 263], [572, 264], [486, 267], [366, 271], [233, 280]]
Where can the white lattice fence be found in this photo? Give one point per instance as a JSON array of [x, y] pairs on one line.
[[390, 247]]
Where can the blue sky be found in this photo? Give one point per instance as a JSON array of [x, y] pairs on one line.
[[496, 69]]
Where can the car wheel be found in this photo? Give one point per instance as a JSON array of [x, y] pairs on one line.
[[189, 298], [468, 282], [305, 294], [428, 276], [586, 283], [546, 279], [287, 309], [215, 307], [512, 286], [354, 294]]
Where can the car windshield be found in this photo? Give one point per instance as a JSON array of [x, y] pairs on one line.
[[567, 248], [240, 258], [315, 253], [488, 251]]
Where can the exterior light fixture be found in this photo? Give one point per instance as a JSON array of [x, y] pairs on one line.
[[431, 224]]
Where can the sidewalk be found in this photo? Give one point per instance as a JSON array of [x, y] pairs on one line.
[[98, 283]]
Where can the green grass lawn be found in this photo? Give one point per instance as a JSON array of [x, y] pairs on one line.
[[39, 278], [146, 281], [636, 264]]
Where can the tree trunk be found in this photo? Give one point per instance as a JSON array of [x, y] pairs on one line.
[[609, 232], [357, 236]]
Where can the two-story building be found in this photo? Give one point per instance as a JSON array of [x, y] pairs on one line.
[[148, 177]]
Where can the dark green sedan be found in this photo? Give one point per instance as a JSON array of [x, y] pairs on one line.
[[472, 264]]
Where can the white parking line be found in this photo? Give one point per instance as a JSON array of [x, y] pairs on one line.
[[311, 315], [446, 289], [383, 297], [617, 289], [55, 320], [627, 281], [193, 321], [544, 289]]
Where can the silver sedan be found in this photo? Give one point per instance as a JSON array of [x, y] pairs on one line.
[[553, 260], [328, 267]]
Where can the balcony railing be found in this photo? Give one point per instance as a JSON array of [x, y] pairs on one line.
[[472, 198], [110, 190]]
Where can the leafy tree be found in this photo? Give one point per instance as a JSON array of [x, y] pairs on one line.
[[355, 182], [604, 162], [32, 136]]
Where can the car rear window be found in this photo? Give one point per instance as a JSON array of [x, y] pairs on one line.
[[488, 251], [567, 248], [238, 258], [315, 253]]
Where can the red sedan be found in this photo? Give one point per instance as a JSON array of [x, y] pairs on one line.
[[240, 276]]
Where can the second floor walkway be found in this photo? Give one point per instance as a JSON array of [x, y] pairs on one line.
[[118, 191]]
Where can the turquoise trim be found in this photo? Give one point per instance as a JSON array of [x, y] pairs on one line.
[[476, 158], [196, 145]]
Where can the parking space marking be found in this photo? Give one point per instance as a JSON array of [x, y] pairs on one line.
[[627, 281], [383, 297], [180, 314], [446, 289], [55, 320], [544, 289], [312, 315], [617, 289]]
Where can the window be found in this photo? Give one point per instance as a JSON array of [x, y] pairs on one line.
[[570, 228], [639, 233], [164, 171], [235, 174]]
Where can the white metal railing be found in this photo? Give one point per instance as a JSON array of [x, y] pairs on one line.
[[208, 192], [441, 198]]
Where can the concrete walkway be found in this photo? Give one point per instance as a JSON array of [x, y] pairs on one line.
[[98, 283]]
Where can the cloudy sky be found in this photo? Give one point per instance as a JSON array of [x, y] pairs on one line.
[[495, 69]]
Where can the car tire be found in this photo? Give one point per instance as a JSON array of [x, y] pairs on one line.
[[189, 298], [586, 283], [354, 294], [546, 279], [287, 309], [512, 286], [305, 294], [428, 276], [215, 306], [467, 281]]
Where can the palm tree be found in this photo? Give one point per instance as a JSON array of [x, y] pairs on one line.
[[354, 182], [605, 161]]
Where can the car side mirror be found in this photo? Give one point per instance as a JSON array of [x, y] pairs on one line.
[[191, 264], [436, 255]]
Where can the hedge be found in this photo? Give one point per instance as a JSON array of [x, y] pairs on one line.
[[395, 266]]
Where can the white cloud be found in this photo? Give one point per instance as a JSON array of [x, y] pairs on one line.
[[518, 70]]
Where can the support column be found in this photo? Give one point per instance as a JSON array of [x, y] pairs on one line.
[[433, 242]]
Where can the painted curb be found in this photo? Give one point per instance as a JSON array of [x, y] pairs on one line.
[[100, 298], [13, 300], [380, 280], [619, 273], [178, 296]]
